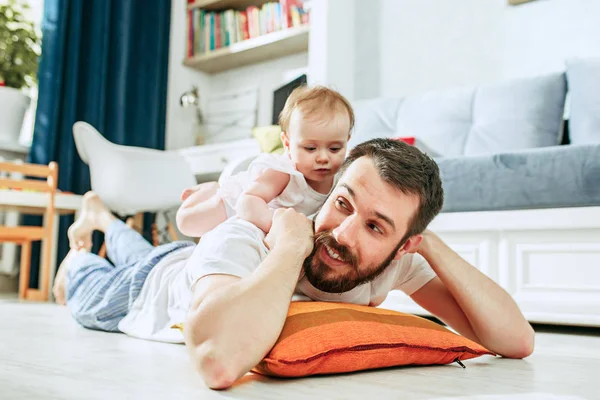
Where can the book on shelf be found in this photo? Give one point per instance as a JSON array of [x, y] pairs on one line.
[[213, 30]]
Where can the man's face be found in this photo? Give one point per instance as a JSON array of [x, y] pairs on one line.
[[359, 229]]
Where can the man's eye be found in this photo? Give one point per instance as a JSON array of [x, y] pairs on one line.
[[374, 228], [341, 203]]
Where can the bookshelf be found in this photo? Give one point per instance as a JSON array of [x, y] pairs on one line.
[[266, 47], [254, 49], [212, 5]]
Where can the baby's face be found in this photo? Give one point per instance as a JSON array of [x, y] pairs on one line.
[[317, 146]]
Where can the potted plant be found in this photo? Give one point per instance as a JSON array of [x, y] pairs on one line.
[[19, 54]]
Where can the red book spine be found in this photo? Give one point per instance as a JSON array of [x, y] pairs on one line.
[[244, 16], [190, 43], [250, 21], [218, 31], [284, 14]]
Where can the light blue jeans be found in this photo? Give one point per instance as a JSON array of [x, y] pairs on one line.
[[100, 294]]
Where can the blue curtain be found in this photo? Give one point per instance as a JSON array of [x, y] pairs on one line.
[[104, 62]]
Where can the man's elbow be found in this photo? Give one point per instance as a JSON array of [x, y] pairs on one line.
[[217, 372], [525, 344], [213, 362], [528, 343]]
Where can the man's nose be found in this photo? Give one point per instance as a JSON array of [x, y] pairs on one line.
[[346, 233]]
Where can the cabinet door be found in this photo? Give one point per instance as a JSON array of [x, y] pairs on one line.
[[553, 275]]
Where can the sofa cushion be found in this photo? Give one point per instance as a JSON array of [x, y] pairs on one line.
[[374, 118], [521, 114], [583, 77], [441, 119], [558, 176], [328, 338]]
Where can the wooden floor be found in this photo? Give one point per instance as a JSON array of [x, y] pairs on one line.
[[44, 354]]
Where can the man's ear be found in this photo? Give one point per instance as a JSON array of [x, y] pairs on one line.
[[285, 140], [411, 246]]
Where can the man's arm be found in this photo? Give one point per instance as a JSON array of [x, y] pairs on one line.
[[233, 322], [471, 303]]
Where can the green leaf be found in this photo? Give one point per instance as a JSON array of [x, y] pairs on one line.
[[20, 46]]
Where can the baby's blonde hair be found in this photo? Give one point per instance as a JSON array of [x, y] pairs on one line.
[[316, 100]]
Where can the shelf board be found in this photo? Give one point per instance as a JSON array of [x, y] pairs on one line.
[[266, 47], [212, 5]]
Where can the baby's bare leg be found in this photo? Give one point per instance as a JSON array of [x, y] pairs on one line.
[[201, 211], [205, 190]]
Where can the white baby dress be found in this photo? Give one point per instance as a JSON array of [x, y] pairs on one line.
[[297, 194]]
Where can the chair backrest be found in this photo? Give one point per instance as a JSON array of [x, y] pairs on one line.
[[130, 179], [49, 172], [15, 176]]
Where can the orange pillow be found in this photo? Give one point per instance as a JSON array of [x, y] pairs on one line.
[[328, 338]]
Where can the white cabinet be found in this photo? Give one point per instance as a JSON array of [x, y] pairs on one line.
[[209, 160], [548, 260], [555, 278]]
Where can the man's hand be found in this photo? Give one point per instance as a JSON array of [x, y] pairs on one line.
[[471, 303], [427, 243], [293, 229]]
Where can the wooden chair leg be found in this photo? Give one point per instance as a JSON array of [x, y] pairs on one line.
[[25, 269], [45, 266]]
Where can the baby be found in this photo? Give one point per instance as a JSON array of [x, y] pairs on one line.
[[316, 123]]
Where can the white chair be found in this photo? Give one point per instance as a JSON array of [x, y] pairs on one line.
[[132, 180], [129, 179]]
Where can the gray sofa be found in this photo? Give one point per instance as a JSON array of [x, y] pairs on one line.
[[503, 146]]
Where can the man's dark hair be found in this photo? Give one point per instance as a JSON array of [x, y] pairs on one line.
[[408, 169]]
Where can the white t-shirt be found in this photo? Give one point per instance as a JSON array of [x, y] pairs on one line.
[[236, 247], [297, 194]]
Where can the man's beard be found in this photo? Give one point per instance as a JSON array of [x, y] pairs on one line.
[[325, 278]]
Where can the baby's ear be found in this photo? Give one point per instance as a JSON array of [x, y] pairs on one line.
[[285, 140]]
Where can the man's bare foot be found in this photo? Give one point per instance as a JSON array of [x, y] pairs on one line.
[[58, 290], [93, 216]]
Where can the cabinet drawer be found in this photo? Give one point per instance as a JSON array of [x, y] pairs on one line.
[[212, 159], [554, 278]]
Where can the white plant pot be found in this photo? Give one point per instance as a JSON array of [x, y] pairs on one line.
[[13, 105]]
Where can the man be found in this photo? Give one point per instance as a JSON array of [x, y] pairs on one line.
[[369, 238]]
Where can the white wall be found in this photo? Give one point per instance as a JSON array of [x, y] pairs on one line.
[[267, 76], [367, 52], [432, 44], [180, 121], [332, 45]]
